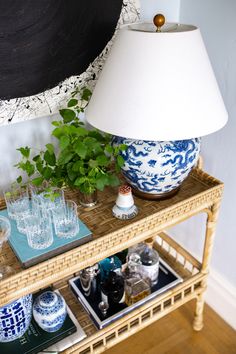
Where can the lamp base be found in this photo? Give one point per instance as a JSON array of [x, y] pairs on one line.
[[156, 169], [158, 196]]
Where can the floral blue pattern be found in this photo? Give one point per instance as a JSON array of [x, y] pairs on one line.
[[158, 167], [49, 311], [15, 318]]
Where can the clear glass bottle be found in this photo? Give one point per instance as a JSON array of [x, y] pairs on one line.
[[138, 248], [149, 258], [136, 289], [137, 286]]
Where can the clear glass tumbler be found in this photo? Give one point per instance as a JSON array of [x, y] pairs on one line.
[[38, 228], [17, 201], [5, 232], [65, 219], [48, 197]]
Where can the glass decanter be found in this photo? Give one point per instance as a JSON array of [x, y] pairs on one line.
[[137, 286]]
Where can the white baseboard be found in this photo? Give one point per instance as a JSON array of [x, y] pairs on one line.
[[221, 296]]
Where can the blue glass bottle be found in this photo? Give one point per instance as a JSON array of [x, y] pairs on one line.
[[110, 264]]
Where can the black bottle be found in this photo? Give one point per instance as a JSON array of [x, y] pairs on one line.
[[112, 289]]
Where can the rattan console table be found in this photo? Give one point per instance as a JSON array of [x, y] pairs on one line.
[[199, 193]]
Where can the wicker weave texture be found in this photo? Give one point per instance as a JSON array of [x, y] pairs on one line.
[[111, 235], [199, 193]]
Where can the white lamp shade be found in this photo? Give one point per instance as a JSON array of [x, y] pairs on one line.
[[157, 86]]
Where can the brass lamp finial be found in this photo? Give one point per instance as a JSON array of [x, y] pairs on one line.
[[159, 21]]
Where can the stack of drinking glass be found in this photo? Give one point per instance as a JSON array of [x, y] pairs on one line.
[[38, 211]]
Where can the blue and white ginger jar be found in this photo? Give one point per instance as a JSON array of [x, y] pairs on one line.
[[15, 318], [158, 167], [49, 311]]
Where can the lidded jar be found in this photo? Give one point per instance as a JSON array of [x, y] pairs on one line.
[[125, 208], [49, 311], [15, 318], [125, 198]]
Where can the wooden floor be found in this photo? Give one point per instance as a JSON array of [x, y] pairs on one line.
[[173, 334]]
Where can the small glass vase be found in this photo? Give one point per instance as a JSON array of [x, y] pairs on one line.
[[88, 200]]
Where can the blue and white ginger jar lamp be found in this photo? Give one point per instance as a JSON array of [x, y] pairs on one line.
[[49, 311], [156, 169], [15, 319], [158, 91]]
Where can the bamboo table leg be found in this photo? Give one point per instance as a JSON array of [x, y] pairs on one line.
[[207, 252]]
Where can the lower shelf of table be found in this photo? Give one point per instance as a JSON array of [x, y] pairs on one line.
[[98, 341]]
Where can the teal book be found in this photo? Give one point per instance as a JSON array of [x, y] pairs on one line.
[[36, 339], [28, 256]]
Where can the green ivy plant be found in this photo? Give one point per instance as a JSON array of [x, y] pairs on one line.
[[85, 159]]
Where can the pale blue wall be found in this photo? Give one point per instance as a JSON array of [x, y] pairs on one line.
[[216, 19], [169, 8], [217, 22]]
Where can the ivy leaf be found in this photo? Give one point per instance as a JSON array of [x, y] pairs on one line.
[[64, 157], [73, 102], [102, 160], [101, 182], [24, 151], [96, 134], [36, 158], [92, 172], [93, 163], [19, 179], [29, 168], [56, 123], [64, 142], [89, 141], [97, 149], [79, 181], [58, 132], [109, 149], [81, 149], [67, 114], [77, 165], [50, 159], [37, 181], [71, 174], [50, 149], [120, 161], [113, 180], [39, 166], [80, 131], [47, 172], [82, 171], [86, 94]]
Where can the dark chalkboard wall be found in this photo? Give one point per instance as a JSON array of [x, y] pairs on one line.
[[43, 42]]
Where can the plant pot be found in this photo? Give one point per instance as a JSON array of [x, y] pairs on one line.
[[88, 200], [72, 194]]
